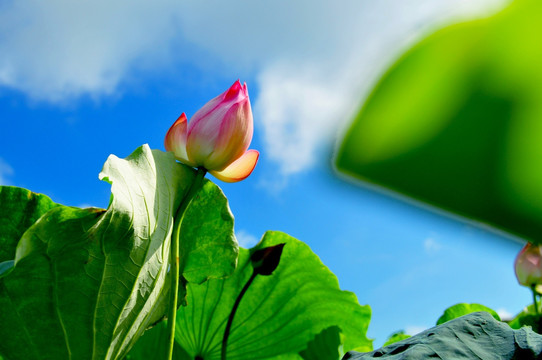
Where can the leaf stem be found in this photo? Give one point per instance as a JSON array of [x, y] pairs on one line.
[[232, 314], [535, 302], [174, 258]]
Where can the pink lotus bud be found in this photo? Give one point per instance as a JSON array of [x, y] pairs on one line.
[[217, 136], [529, 265]]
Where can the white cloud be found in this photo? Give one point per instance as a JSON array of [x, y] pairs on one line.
[[60, 49], [431, 246], [310, 89], [85, 206], [245, 239], [5, 171], [313, 60], [414, 329], [298, 113], [505, 314]]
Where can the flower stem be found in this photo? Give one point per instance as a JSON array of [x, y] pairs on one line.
[[174, 256], [535, 301], [232, 314]]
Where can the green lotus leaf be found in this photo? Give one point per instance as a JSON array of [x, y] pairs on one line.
[[208, 248], [474, 336], [278, 315], [86, 283]]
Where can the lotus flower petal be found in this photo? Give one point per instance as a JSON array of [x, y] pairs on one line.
[[221, 131], [240, 169], [218, 135], [175, 140], [234, 136], [528, 265]]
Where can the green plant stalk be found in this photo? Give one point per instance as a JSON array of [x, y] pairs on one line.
[[173, 299], [232, 314], [535, 301]]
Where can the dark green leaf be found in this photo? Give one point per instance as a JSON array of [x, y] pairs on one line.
[[473, 336], [278, 315], [527, 317], [153, 345], [534, 321], [20, 208], [455, 122], [459, 310]]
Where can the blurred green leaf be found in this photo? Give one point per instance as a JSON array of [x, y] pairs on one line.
[[534, 321], [527, 317], [398, 336], [87, 282], [459, 310], [455, 122], [278, 315]]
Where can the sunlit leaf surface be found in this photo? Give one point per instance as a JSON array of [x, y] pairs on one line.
[[278, 315], [87, 282]]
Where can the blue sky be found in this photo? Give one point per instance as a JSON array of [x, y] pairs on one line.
[[80, 82]]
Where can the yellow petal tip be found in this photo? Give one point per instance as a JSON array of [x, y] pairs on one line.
[[240, 169]]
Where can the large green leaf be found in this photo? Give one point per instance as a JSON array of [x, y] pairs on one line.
[[278, 315], [87, 282], [455, 122], [473, 336]]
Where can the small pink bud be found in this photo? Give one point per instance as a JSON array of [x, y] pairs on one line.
[[217, 136], [528, 265]]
